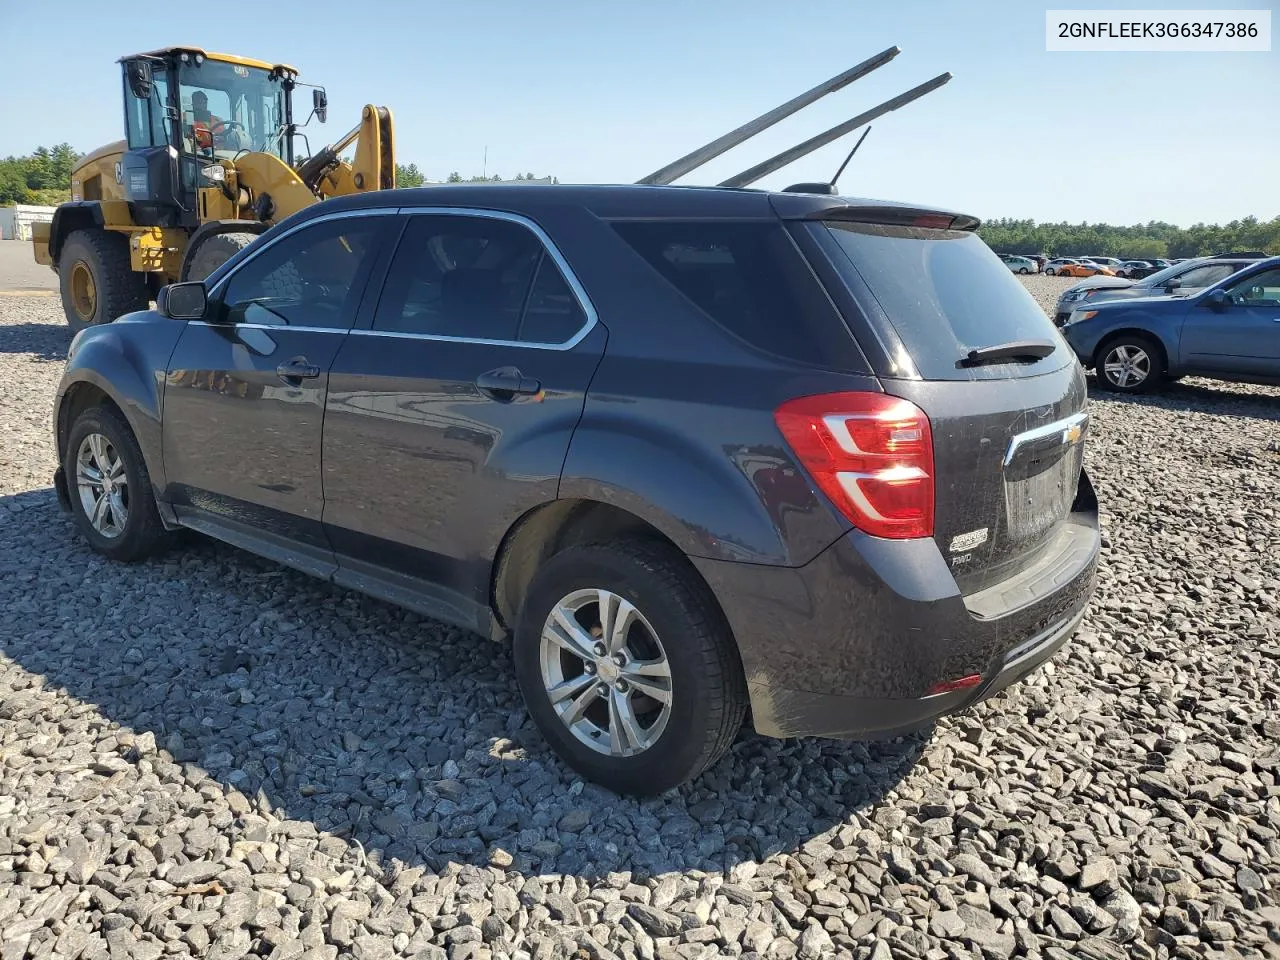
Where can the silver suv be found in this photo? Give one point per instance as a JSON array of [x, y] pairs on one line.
[[1188, 277]]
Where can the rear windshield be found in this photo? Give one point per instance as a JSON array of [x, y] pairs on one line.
[[944, 293], [748, 277]]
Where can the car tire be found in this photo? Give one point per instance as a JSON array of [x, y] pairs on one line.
[[1050, 271], [96, 279], [118, 518], [1129, 363], [1023, 270], [591, 704]]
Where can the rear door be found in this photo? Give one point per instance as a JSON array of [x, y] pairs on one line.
[[1007, 451], [1243, 337], [450, 414]]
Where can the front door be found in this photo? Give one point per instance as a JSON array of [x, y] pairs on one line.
[[245, 391], [1242, 338], [451, 416]]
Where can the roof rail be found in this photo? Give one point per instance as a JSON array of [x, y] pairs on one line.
[[733, 138]]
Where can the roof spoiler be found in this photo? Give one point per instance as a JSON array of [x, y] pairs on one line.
[[709, 151]]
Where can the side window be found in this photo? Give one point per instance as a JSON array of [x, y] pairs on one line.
[[308, 279], [1207, 275], [137, 120], [749, 278], [459, 276], [144, 120], [1260, 290], [552, 314]]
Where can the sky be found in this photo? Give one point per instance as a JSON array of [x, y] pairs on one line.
[[606, 91]]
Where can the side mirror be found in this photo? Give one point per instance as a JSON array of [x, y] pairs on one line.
[[320, 103], [182, 301], [1217, 300], [1173, 284], [141, 78]]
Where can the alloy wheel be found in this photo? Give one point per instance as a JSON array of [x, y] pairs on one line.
[[605, 672], [1126, 365], [102, 485]]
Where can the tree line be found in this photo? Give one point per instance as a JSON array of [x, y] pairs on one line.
[[408, 175], [1154, 239], [44, 177]]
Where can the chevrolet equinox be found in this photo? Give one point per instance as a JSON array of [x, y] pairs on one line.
[[695, 451]]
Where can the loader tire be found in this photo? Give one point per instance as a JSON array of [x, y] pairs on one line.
[[97, 282], [214, 251]]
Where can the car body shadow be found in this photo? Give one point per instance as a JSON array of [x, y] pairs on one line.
[[1200, 395], [44, 341], [375, 725]]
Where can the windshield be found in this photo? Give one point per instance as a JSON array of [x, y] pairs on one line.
[[228, 109], [944, 293]]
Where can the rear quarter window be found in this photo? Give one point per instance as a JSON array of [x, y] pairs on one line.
[[751, 280], [943, 293]]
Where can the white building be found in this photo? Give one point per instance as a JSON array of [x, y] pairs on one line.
[[15, 221]]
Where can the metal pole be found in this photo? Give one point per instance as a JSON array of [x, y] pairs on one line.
[[835, 133], [697, 158]]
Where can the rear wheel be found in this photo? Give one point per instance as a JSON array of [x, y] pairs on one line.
[[1023, 270], [627, 666], [1130, 363], [96, 279], [1050, 271]]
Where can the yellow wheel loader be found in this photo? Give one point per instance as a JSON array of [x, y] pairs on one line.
[[208, 162]]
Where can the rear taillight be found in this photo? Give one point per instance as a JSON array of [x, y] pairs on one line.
[[871, 454]]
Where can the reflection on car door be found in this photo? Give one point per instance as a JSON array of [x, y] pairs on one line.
[[451, 416], [1243, 338], [244, 395]]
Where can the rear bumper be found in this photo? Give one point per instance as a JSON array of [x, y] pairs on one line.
[[851, 644], [779, 712]]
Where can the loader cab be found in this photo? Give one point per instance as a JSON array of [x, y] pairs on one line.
[[187, 112]]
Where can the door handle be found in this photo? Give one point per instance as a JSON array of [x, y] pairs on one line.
[[296, 370], [505, 383]]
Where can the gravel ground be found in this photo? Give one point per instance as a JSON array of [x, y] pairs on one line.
[[210, 755]]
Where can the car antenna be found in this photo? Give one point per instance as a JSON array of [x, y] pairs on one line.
[[848, 158]]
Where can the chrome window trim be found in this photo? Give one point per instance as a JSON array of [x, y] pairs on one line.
[[323, 218], [270, 326], [575, 285], [1062, 427]]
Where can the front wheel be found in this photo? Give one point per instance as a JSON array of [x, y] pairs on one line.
[[1050, 271], [110, 489], [627, 666], [1129, 364], [1023, 270]]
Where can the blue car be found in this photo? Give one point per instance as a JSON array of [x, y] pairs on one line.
[[1231, 331]]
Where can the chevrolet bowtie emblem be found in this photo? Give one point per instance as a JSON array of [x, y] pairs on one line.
[[1071, 434]]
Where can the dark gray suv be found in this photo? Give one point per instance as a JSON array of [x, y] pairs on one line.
[[694, 451]]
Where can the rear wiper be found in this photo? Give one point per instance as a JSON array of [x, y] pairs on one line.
[[1022, 350]]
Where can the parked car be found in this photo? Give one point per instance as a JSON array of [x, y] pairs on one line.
[[1084, 268], [1135, 269], [1230, 331], [1055, 265], [1110, 263], [1187, 277], [1020, 264], [689, 450]]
